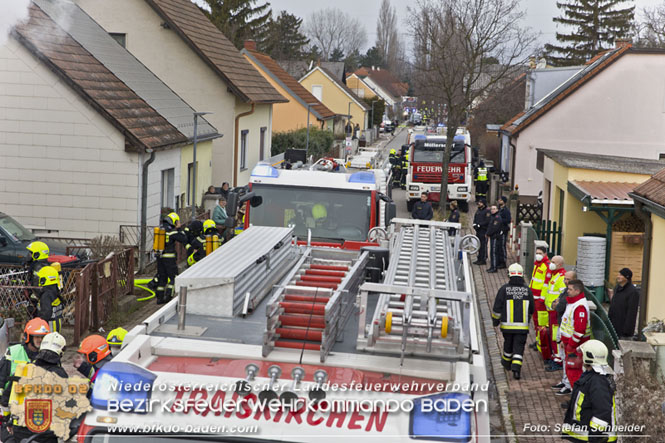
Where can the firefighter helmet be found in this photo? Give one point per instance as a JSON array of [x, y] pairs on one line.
[[393, 152], [196, 227], [53, 342], [515, 270], [319, 212], [116, 336], [48, 276], [36, 327], [208, 225], [95, 348], [172, 219], [38, 249], [594, 353]]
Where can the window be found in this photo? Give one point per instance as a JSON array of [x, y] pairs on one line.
[[190, 182], [262, 143], [317, 91], [120, 38], [243, 149], [540, 161], [168, 198]]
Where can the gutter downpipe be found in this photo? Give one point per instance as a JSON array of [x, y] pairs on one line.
[[646, 262], [144, 206], [235, 143]]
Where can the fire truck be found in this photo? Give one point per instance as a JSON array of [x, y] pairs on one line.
[[424, 173], [272, 340]]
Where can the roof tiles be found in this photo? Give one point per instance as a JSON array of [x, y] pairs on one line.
[[653, 189], [607, 191]]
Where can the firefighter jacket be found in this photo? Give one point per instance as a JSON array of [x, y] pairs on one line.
[[540, 278], [513, 307], [481, 220], [14, 355], [422, 211], [50, 304], [195, 250], [591, 413], [495, 225], [173, 235], [554, 288], [575, 323]]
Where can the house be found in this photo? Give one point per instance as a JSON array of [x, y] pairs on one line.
[[81, 121], [359, 87], [385, 85], [298, 68], [588, 194], [650, 206], [177, 42], [323, 85], [302, 107], [614, 106]]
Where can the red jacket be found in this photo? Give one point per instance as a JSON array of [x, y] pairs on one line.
[[579, 318]]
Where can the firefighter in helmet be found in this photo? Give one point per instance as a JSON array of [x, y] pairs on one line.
[[396, 167], [93, 353], [167, 267], [37, 259], [115, 339], [405, 170], [195, 242], [51, 305]]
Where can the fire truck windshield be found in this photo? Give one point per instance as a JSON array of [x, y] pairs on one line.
[[428, 151], [331, 214]]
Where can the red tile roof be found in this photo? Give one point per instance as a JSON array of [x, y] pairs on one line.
[[607, 191], [143, 126], [386, 80], [290, 83], [187, 20], [653, 189]]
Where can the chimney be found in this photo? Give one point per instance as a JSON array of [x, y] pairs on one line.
[[250, 45], [621, 42]]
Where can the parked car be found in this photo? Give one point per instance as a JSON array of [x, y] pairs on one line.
[[14, 238]]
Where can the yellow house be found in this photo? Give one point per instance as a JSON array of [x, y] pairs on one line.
[[336, 95], [650, 206], [587, 194], [301, 107], [359, 87]]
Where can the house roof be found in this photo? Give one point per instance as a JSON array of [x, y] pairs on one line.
[[187, 20], [604, 193], [340, 85], [126, 67], [290, 84], [143, 126], [600, 162], [298, 68], [384, 79], [593, 68], [653, 189]]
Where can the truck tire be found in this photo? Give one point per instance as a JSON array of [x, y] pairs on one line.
[[409, 205], [463, 205]]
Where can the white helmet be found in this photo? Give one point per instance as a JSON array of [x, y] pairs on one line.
[[53, 342], [594, 353], [515, 270]]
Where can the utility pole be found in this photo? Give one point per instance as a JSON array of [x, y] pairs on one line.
[[196, 116]]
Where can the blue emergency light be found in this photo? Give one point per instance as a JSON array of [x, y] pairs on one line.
[[366, 177], [265, 170], [441, 417], [459, 138], [128, 384], [420, 137]]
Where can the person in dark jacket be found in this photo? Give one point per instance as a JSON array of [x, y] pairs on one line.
[[624, 303], [481, 221], [591, 413], [506, 218], [195, 242], [453, 217], [494, 234], [513, 308], [51, 306], [422, 210], [167, 266]]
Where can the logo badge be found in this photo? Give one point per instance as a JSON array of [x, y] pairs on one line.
[[38, 415]]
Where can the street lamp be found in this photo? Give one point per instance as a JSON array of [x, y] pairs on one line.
[[196, 116], [372, 121], [309, 105]]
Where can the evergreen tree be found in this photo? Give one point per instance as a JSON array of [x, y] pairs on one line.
[[313, 53], [595, 26], [352, 61], [337, 55], [373, 58], [284, 41], [240, 20]]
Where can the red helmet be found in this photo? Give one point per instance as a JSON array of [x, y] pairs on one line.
[[35, 328], [95, 348]]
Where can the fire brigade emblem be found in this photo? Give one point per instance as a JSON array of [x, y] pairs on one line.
[[38, 415]]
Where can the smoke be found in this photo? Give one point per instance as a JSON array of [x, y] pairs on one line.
[[13, 13]]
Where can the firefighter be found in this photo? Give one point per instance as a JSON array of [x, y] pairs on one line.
[[481, 221], [195, 242], [540, 279], [25, 352], [51, 305], [591, 414], [506, 219], [405, 170], [115, 339], [554, 288], [481, 180], [167, 267], [494, 234], [513, 306], [396, 168], [38, 258], [575, 330], [93, 353]]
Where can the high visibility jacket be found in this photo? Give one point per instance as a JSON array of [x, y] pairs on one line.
[[513, 306], [576, 321], [196, 250], [591, 413], [15, 355], [540, 277], [554, 288], [173, 235], [482, 174]]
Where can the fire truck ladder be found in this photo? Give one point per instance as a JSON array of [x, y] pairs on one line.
[[310, 309], [420, 310]]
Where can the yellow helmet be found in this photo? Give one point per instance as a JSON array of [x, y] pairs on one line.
[[172, 218], [393, 152], [38, 249], [319, 211], [116, 336], [209, 224], [48, 276]]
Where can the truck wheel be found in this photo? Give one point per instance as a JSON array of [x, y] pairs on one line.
[[409, 205], [464, 206]]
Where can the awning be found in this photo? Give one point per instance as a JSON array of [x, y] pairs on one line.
[[602, 193]]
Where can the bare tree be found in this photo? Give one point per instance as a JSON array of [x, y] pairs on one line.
[[388, 39], [456, 46], [650, 30], [331, 28]]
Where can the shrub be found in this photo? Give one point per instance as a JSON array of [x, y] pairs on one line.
[[320, 141]]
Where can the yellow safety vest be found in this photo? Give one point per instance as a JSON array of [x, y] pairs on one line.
[[554, 290], [567, 326], [482, 174], [538, 280]]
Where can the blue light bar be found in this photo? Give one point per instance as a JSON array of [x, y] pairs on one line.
[[420, 137], [362, 177], [459, 138], [128, 384], [445, 420], [265, 170]]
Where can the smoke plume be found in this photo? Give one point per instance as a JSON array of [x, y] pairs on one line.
[[13, 13]]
